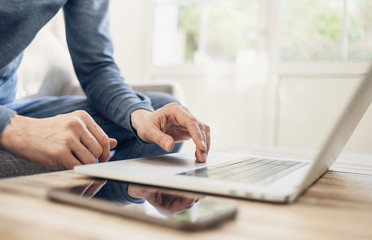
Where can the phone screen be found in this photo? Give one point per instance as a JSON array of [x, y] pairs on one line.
[[177, 209]]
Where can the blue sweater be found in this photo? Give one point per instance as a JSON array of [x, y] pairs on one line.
[[90, 46]]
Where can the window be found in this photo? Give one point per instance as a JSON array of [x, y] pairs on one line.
[[326, 30], [205, 31]]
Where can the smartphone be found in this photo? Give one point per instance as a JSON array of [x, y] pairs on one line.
[[181, 210]]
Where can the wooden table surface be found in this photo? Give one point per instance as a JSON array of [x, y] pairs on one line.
[[338, 206]]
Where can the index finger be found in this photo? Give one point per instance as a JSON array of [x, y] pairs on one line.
[[192, 125]]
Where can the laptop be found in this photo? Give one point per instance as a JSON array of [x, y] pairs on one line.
[[261, 178]]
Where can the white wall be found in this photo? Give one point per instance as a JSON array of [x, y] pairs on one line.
[[308, 106], [232, 104]]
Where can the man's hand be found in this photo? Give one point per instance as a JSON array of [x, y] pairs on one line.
[[166, 202], [170, 124], [66, 140]]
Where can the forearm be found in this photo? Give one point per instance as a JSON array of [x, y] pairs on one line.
[[116, 100], [90, 45], [13, 137]]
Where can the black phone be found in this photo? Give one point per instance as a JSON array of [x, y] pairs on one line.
[[170, 208]]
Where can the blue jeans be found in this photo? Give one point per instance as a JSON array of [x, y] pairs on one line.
[[129, 146]]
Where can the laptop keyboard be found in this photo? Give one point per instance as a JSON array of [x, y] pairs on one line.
[[252, 170]]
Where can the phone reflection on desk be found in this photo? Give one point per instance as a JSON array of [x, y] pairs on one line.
[[156, 201], [183, 210]]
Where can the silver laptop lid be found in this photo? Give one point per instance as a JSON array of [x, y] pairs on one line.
[[341, 132]]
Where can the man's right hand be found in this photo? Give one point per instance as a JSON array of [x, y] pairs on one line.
[[67, 140]]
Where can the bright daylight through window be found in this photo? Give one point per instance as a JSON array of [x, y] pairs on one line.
[[207, 31], [202, 32], [326, 30]]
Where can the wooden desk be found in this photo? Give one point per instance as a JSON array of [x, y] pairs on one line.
[[338, 206]]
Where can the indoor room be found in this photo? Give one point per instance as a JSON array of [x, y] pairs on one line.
[[284, 82]]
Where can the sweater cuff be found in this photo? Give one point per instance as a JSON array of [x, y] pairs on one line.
[[5, 116]]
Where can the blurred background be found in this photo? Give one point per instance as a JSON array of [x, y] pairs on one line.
[[259, 72]]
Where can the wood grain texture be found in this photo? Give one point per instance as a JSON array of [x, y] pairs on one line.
[[337, 206]]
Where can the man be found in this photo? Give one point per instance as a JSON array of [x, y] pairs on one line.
[[59, 133]]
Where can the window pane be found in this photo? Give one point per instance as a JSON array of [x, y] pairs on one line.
[[205, 31], [360, 29], [311, 29], [314, 30]]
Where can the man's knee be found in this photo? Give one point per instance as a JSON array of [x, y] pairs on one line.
[[160, 99]]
